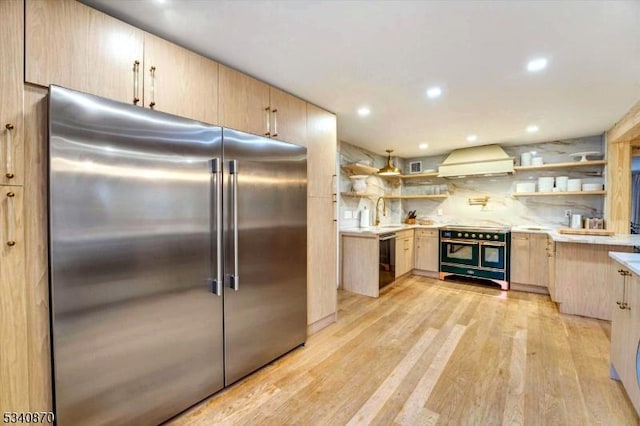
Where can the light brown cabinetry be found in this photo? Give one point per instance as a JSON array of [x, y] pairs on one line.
[[14, 378], [11, 122], [551, 264], [249, 105], [360, 257], [321, 152], [625, 331], [322, 226], [529, 260], [179, 82], [288, 117], [427, 248], [75, 46], [404, 252], [586, 278], [244, 102]]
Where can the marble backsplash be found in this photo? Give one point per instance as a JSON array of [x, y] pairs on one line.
[[501, 209]]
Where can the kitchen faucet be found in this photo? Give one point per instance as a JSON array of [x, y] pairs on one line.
[[384, 209]]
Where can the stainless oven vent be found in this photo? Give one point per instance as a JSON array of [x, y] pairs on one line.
[[486, 160]]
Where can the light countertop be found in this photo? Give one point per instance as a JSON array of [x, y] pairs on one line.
[[614, 240], [629, 260]]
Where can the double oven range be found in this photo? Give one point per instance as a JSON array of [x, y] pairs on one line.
[[477, 252]]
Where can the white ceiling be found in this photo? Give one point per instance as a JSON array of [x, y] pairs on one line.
[[342, 55]]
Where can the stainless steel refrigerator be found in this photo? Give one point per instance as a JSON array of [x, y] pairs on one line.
[[177, 258]]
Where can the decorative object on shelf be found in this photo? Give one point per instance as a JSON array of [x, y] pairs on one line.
[[584, 155], [574, 185], [537, 161], [415, 167], [526, 187], [545, 183], [479, 201], [359, 184], [389, 169], [562, 183], [592, 187]]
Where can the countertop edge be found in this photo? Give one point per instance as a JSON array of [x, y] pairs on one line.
[[629, 260]]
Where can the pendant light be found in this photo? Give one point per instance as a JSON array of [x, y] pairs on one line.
[[389, 169]]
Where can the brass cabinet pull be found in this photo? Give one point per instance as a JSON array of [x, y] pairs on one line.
[[267, 114], [11, 220], [9, 159], [136, 73], [152, 72], [275, 122]]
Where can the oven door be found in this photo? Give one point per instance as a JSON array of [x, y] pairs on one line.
[[459, 252], [493, 255]]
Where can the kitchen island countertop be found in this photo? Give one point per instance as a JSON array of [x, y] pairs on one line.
[[630, 260]]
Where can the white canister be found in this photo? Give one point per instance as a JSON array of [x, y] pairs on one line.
[[561, 183], [525, 159], [536, 161], [576, 221], [545, 184]]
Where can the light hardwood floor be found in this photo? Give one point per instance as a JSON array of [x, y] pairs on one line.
[[428, 352]]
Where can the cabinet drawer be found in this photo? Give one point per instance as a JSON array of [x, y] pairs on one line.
[[425, 233], [404, 234]]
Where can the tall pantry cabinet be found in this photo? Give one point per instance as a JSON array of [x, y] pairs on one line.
[[14, 379]]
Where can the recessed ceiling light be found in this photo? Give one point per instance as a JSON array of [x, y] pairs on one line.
[[423, 146], [537, 64], [434, 92], [364, 111], [532, 128], [472, 138]]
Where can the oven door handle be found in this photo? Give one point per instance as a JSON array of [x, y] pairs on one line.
[[492, 244], [387, 238], [471, 243]]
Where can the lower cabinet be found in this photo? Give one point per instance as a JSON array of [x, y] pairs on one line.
[[427, 250], [404, 252], [529, 261], [321, 263], [14, 378], [360, 263], [625, 332]]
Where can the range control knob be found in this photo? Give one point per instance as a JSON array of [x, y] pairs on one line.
[[495, 237], [459, 234], [466, 235], [488, 236], [480, 236], [473, 235]]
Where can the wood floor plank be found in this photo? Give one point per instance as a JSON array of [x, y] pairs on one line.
[[431, 352]]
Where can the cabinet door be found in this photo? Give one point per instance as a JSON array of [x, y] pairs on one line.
[[179, 82], [11, 64], [75, 46], [426, 252], [288, 117], [633, 299], [243, 102], [321, 152], [538, 260], [410, 254], [404, 255], [520, 258], [14, 380], [551, 265], [322, 266]]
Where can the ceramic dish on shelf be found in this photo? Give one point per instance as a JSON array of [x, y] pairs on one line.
[[526, 187], [587, 187], [359, 183], [584, 155]]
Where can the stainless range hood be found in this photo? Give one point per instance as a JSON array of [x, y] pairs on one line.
[[487, 160]]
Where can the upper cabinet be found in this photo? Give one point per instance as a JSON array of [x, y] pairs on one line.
[[179, 82], [321, 150], [288, 117], [244, 102], [72, 45], [11, 64], [249, 105]]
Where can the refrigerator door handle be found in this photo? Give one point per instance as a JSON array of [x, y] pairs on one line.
[[234, 278], [216, 284]]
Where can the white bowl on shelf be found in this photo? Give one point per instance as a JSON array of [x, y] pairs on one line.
[[359, 184], [537, 161], [574, 185], [587, 187], [526, 187]]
